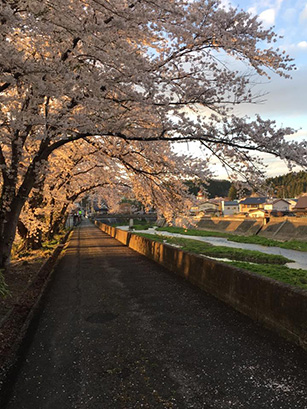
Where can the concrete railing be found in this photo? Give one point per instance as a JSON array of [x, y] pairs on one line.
[[276, 305]]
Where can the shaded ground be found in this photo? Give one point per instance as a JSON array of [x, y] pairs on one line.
[[18, 277], [119, 331], [24, 286]]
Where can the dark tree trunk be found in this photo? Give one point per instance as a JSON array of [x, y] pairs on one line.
[[58, 222], [8, 229], [9, 219], [29, 242]]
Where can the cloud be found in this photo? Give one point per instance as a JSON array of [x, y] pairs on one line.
[[302, 44], [286, 101], [252, 11], [268, 17]]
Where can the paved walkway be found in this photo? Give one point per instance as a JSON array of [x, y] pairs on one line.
[[118, 331]]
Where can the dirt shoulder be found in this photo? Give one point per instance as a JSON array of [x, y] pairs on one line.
[[26, 279]]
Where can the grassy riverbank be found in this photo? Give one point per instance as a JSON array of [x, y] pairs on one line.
[[291, 244], [268, 265], [200, 247], [295, 277]]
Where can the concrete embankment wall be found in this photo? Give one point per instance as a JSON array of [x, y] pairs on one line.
[[285, 228], [241, 226], [279, 228], [276, 305]]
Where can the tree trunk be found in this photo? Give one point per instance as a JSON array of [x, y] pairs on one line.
[[34, 241], [8, 227], [58, 222], [7, 239]]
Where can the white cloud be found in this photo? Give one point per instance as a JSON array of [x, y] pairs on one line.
[[252, 11], [268, 17], [286, 102], [302, 44]]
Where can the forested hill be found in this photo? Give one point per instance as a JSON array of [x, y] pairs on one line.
[[214, 188], [289, 185]]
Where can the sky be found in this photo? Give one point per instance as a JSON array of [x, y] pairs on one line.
[[287, 99], [286, 102]]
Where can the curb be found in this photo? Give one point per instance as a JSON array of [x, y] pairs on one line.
[[25, 317]]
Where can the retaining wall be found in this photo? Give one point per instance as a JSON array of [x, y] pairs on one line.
[[236, 225], [280, 228], [285, 228], [276, 305]]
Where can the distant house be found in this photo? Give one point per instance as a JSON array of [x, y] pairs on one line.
[[258, 213], [293, 203], [208, 207], [277, 206], [301, 207], [252, 203], [230, 207]]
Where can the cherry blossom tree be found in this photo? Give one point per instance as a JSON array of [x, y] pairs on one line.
[[154, 177], [128, 76]]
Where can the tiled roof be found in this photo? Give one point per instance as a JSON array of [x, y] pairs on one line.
[[301, 203], [253, 200], [283, 200], [231, 203]]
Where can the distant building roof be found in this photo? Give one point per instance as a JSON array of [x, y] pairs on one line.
[[103, 207], [301, 203], [279, 200], [253, 200], [231, 203]]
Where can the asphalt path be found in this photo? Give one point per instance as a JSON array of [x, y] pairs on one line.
[[119, 331]]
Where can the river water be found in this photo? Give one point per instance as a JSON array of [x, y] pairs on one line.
[[299, 257]]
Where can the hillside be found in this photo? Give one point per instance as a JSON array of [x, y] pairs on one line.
[[292, 184]]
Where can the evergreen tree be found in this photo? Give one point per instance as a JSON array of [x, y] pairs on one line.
[[232, 193]]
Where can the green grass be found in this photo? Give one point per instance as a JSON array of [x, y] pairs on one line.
[[291, 244], [145, 226], [199, 247], [193, 232], [264, 264], [263, 241], [295, 277]]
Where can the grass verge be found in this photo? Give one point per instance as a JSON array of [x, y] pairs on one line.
[[199, 247], [143, 226], [267, 265], [263, 241], [295, 277]]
